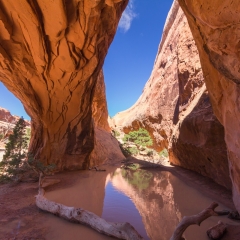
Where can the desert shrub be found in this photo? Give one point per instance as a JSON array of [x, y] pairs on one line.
[[150, 153], [1, 136], [140, 137], [38, 166], [115, 133], [164, 153], [133, 151], [124, 150], [128, 151], [16, 160]]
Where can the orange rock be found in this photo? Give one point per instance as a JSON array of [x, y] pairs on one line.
[[215, 27], [50, 57], [175, 108]]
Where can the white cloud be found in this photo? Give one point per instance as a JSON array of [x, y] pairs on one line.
[[127, 17]]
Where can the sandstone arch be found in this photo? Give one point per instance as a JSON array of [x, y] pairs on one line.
[[51, 54]]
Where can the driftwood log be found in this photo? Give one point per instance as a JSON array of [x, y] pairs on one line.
[[196, 219], [79, 215], [217, 231]]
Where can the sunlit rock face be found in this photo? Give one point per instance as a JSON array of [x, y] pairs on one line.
[[51, 53], [175, 108], [7, 117], [215, 27]]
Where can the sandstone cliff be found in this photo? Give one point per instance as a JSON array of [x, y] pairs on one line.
[[215, 28], [175, 108], [6, 116], [51, 53]]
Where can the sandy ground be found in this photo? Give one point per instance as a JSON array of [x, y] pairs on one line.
[[22, 220]]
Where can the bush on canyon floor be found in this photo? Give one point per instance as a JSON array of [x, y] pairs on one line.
[[115, 133], [164, 153], [150, 153], [39, 167], [18, 163], [140, 137], [133, 151]]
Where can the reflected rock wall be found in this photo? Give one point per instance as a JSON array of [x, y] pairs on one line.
[[152, 194]]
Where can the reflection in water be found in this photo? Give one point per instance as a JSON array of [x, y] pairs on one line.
[[152, 201], [118, 207], [161, 200], [152, 194]]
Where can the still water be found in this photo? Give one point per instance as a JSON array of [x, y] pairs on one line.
[[152, 201]]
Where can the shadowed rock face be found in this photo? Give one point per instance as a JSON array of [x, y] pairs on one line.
[[51, 53], [215, 27], [175, 108]]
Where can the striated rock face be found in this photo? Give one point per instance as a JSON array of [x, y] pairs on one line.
[[215, 27], [51, 53], [106, 147], [175, 108]]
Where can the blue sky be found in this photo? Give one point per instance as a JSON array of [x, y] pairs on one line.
[[130, 58]]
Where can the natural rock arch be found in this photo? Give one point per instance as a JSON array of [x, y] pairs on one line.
[[51, 54]]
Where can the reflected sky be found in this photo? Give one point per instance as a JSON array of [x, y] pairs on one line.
[[119, 208]]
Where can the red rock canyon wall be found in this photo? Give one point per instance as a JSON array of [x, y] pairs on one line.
[[215, 27], [175, 107]]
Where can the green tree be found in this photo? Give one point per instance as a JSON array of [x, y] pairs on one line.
[[140, 137], [28, 135], [16, 150]]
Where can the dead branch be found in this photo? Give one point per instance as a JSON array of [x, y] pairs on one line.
[[217, 231], [195, 219], [78, 215], [234, 215]]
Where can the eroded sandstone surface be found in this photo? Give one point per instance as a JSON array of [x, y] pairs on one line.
[[51, 54], [215, 27], [175, 107]]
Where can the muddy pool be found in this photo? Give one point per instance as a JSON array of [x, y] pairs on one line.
[[153, 201]]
